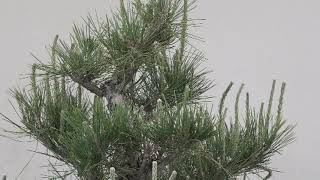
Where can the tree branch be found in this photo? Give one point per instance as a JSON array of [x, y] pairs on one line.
[[90, 86]]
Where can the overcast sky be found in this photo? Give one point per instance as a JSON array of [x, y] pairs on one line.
[[250, 41]]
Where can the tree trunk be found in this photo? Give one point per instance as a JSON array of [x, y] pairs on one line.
[[94, 174]]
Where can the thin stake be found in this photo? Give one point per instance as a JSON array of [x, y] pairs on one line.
[[154, 170]]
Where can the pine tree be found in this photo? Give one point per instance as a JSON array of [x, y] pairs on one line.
[[127, 90]]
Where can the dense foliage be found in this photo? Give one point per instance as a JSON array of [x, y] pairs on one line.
[[127, 90]]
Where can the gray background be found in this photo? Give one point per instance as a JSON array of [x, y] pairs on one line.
[[250, 41]]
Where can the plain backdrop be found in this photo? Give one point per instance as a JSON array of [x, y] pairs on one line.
[[246, 41]]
